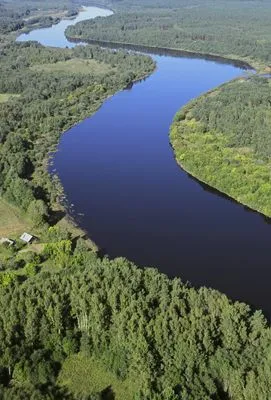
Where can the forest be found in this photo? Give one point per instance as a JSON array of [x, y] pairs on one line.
[[79, 327], [224, 139], [235, 29]]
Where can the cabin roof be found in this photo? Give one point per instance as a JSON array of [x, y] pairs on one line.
[[26, 237]]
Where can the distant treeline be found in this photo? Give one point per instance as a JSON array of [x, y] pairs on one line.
[[236, 29]]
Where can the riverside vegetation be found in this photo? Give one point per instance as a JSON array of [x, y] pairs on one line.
[[49, 90], [224, 139], [74, 326]]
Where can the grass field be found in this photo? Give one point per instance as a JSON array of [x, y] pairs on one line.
[[11, 221], [6, 96], [83, 376], [75, 65]]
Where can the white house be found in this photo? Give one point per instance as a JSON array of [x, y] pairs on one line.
[[26, 237]]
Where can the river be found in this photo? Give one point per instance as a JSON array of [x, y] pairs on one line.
[[125, 188]]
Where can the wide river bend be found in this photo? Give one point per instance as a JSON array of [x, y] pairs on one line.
[[125, 188]]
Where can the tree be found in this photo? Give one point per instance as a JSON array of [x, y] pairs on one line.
[[38, 212]]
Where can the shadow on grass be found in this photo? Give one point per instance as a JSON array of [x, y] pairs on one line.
[[108, 394], [55, 217]]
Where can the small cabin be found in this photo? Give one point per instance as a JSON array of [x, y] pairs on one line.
[[7, 241], [27, 238]]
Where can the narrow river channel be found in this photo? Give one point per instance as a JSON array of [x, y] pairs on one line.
[[119, 172]]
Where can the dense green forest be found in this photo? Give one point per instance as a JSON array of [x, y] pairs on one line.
[[235, 28], [78, 327], [45, 91], [224, 139]]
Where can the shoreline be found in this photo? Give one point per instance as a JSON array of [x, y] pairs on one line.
[[70, 220], [57, 19], [219, 191], [174, 52]]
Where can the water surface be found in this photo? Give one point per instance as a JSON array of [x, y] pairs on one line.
[[54, 36], [119, 171]]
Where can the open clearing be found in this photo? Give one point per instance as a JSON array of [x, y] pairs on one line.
[[11, 222], [75, 65], [83, 375], [6, 96]]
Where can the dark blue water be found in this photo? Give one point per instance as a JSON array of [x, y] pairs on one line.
[[118, 169]]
